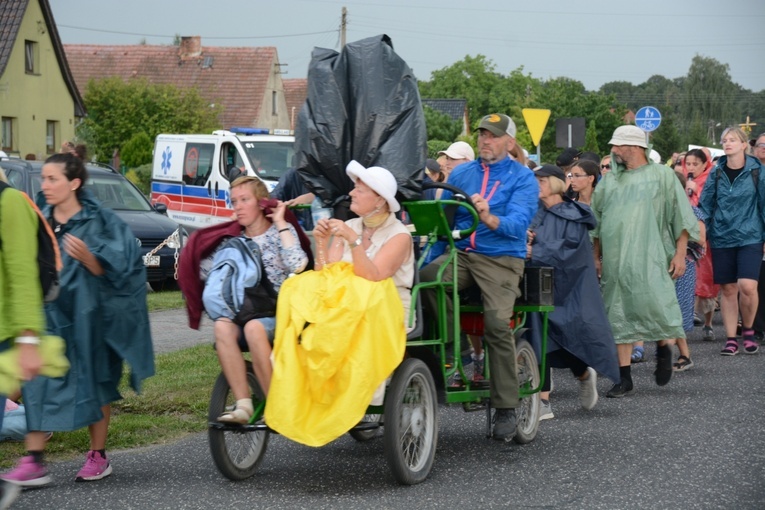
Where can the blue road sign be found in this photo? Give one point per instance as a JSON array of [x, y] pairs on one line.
[[648, 118]]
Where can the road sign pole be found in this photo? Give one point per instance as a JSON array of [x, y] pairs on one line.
[[539, 155], [569, 135]]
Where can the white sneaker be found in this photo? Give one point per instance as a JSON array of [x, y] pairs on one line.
[[588, 390], [545, 410]]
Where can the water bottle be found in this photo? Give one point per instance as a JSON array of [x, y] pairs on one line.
[[318, 212]]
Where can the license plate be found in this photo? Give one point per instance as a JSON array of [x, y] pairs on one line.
[[151, 260]]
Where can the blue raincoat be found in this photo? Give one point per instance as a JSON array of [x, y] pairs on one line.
[[738, 208], [579, 323], [103, 320]]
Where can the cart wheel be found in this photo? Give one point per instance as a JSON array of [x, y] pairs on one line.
[[367, 434], [236, 453], [411, 422], [528, 408]]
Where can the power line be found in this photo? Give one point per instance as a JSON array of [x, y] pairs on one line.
[[206, 37]]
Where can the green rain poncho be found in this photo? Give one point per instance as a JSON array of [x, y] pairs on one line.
[[641, 213]]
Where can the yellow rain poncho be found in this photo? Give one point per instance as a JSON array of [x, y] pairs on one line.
[[338, 337]]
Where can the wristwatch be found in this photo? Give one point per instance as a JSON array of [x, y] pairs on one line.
[[356, 243]]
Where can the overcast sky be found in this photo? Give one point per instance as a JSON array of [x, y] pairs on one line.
[[593, 41]]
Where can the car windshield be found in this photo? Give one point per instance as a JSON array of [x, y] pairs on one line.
[[113, 191], [270, 159]]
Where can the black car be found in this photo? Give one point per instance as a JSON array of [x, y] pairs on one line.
[[150, 225]]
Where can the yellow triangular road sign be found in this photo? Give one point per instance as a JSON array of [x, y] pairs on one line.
[[536, 120]]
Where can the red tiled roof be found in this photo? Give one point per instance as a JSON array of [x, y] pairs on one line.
[[295, 92], [235, 78]]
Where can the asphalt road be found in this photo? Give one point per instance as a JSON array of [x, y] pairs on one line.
[[695, 443]]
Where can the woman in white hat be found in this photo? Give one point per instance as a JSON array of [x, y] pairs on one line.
[[377, 243]]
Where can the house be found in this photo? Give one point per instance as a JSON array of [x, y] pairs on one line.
[[246, 82], [295, 91], [39, 102], [456, 109]]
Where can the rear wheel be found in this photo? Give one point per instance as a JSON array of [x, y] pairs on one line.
[[528, 408], [236, 450], [411, 422]]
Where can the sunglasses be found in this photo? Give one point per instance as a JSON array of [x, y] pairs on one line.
[[606, 167]]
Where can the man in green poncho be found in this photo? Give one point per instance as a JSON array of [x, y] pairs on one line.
[[644, 223]]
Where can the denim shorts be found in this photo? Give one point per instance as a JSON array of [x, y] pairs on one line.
[[731, 264], [269, 324]]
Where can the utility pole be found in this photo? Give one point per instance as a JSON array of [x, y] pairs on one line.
[[343, 24]]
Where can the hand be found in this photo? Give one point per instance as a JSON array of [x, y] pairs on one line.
[[77, 249], [339, 229], [691, 187], [277, 213], [322, 231], [598, 267], [30, 361], [677, 266], [481, 206]]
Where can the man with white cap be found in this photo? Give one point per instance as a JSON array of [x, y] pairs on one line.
[[644, 223], [505, 194]]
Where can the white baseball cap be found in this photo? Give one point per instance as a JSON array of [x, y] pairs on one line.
[[459, 150]]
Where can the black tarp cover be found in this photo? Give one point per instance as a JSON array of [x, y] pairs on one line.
[[362, 104]]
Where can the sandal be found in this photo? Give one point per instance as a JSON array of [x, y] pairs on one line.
[[638, 355], [683, 364], [750, 346], [730, 349], [239, 415]]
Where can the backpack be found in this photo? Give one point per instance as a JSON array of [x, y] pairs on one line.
[[237, 287], [48, 257]]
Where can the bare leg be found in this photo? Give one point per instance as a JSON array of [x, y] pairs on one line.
[[35, 441], [682, 347], [624, 352], [260, 348], [230, 357], [100, 429], [749, 301]]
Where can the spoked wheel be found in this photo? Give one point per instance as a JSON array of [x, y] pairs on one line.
[[411, 422], [365, 434], [528, 408], [236, 450]]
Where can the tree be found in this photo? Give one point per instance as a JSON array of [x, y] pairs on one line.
[[666, 139], [137, 150], [709, 93], [440, 126], [591, 139], [118, 110]]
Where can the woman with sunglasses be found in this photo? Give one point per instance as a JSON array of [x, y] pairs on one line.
[[605, 164]]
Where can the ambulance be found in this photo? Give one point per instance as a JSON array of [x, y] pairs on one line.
[[190, 173]]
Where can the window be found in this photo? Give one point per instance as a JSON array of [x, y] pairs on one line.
[[7, 127], [51, 128], [273, 103], [31, 57]]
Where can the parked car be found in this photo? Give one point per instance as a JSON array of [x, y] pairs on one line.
[[150, 225]]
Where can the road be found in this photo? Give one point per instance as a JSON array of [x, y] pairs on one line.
[[695, 443]]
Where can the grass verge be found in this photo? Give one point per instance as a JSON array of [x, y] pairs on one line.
[[171, 405], [164, 300]]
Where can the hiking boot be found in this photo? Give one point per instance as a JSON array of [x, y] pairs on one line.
[[505, 424], [95, 468], [8, 494], [708, 334], [28, 473], [545, 410], [588, 390], [620, 389]]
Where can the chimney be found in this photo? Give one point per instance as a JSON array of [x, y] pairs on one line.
[[191, 47]]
